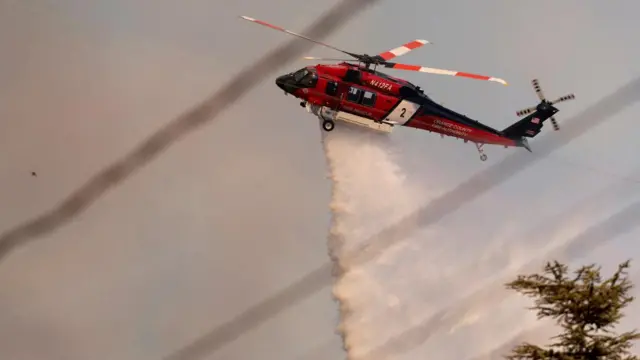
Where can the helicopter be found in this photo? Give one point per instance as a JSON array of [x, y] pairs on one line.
[[354, 91]]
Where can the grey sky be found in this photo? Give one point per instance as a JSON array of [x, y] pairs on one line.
[[239, 210]]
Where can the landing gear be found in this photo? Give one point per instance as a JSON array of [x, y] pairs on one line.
[[483, 156], [328, 125]]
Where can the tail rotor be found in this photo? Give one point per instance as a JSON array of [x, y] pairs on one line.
[[544, 103]]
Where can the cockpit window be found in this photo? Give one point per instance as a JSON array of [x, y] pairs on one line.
[[298, 75], [305, 78]]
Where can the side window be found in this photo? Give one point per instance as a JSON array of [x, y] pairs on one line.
[[369, 98], [354, 94], [332, 88]]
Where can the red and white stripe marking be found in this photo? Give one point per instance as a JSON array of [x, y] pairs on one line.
[[401, 50], [263, 23], [447, 72]]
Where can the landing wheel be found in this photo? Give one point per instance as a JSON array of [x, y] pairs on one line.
[[328, 125], [483, 156]]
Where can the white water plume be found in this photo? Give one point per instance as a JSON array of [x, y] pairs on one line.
[[373, 195]]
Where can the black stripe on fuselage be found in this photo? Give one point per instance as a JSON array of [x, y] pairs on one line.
[[430, 107]]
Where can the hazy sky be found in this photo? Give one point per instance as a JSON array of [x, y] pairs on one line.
[[239, 210]]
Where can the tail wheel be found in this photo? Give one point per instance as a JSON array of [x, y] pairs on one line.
[[328, 125]]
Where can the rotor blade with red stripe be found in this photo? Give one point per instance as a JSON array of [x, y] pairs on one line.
[[401, 50], [443, 72], [274, 27]]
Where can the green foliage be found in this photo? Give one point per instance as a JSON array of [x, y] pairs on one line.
[[584, 306]]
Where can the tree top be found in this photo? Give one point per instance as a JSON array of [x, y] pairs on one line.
[[585, 306]]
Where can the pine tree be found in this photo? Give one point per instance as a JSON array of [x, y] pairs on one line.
[[585, 307]]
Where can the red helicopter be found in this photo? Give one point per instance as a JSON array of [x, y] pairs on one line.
[[358, 94]]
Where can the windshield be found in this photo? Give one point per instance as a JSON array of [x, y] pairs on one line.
[[305, 78], [298, 75]]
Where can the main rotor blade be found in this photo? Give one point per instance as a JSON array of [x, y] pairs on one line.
[[274, 27], [443, 72], [401, 50]]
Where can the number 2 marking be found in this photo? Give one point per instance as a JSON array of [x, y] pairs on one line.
[[402, 111]]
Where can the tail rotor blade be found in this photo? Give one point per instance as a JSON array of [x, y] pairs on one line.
[[564, 98], [526, 111], [538, 90]]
